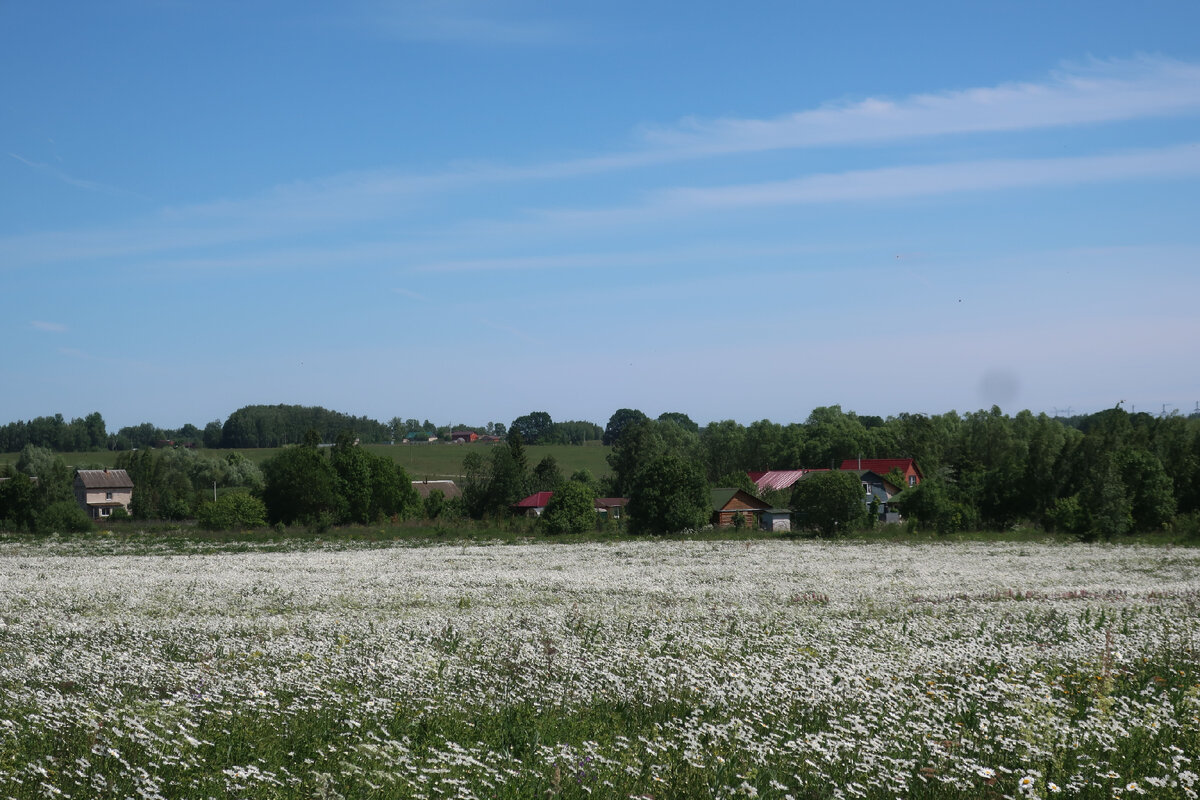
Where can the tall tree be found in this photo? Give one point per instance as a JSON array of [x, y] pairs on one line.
[[669, 495], [619, 421], [831, 502], [301, 486], [532, 427], [571, 509]]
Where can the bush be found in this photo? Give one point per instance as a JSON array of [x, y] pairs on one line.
[[831, 502], [572, 509], [234, 510], [63, 517]]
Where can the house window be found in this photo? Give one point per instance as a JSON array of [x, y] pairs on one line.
[[866, 488], [912, 480], [104, 512], [108, 495]]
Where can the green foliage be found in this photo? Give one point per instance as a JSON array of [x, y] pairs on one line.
[[233, 511], [301, 485], [830, 502], [435, 504], [621, 419], [572, 432], [18, 507], [667, 495], [273, 426], [492, 484], [172, 483], [533, 428], [680, 419], [737, 480], [64, 516], [571, 509], [55, 433], [724, 443], [546, 476], [933, 506], [352, 485], [1068, 515]]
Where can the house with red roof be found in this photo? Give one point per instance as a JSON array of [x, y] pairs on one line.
[[534, 505], [882, 466]]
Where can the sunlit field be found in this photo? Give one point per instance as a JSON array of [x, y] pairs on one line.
[[635, 669]]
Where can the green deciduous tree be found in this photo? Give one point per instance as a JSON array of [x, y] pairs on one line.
[[618, 422], [668, 495], [546, 475], [18, 507], [532, 427], [301, 485], [571, 509], [831, 502]]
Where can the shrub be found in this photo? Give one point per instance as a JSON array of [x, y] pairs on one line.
[[234, 510], [572, 509], [63, 517]]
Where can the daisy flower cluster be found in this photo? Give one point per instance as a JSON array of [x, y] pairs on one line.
[[660, 669]]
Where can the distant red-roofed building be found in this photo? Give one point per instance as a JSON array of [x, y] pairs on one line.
[[882, 466], [534, 505]]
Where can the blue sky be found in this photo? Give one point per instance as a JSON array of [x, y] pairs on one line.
[[466, 211]]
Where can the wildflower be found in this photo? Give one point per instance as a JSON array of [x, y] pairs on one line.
[[1053, 787], [986, 773]]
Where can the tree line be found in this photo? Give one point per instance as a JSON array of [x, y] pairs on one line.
[[1103, 474], [257, 426]]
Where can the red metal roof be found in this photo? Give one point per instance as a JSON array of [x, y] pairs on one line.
[[779, 478], [535, 500], [881, 466]]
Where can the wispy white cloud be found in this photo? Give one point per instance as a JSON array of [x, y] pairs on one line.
[[1181, 161], [1098, 92], [49, 327], [1108, 91], [70, 180], [894, 183]]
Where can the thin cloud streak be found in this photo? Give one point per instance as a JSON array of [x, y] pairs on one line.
[[892, 183], [79, 183], [1107, 92], [1112, 91], [49, 327]]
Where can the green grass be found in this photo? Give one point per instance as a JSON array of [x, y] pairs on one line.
[[421, 461]]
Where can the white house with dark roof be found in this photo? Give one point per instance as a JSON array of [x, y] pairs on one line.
[[99, 491]]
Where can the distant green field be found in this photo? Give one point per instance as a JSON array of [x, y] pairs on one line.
[[420, 460]]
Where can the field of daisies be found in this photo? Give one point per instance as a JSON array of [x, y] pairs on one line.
[[656, 669]]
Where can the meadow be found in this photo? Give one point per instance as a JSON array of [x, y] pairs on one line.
[[650, 669], [421, 461]]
